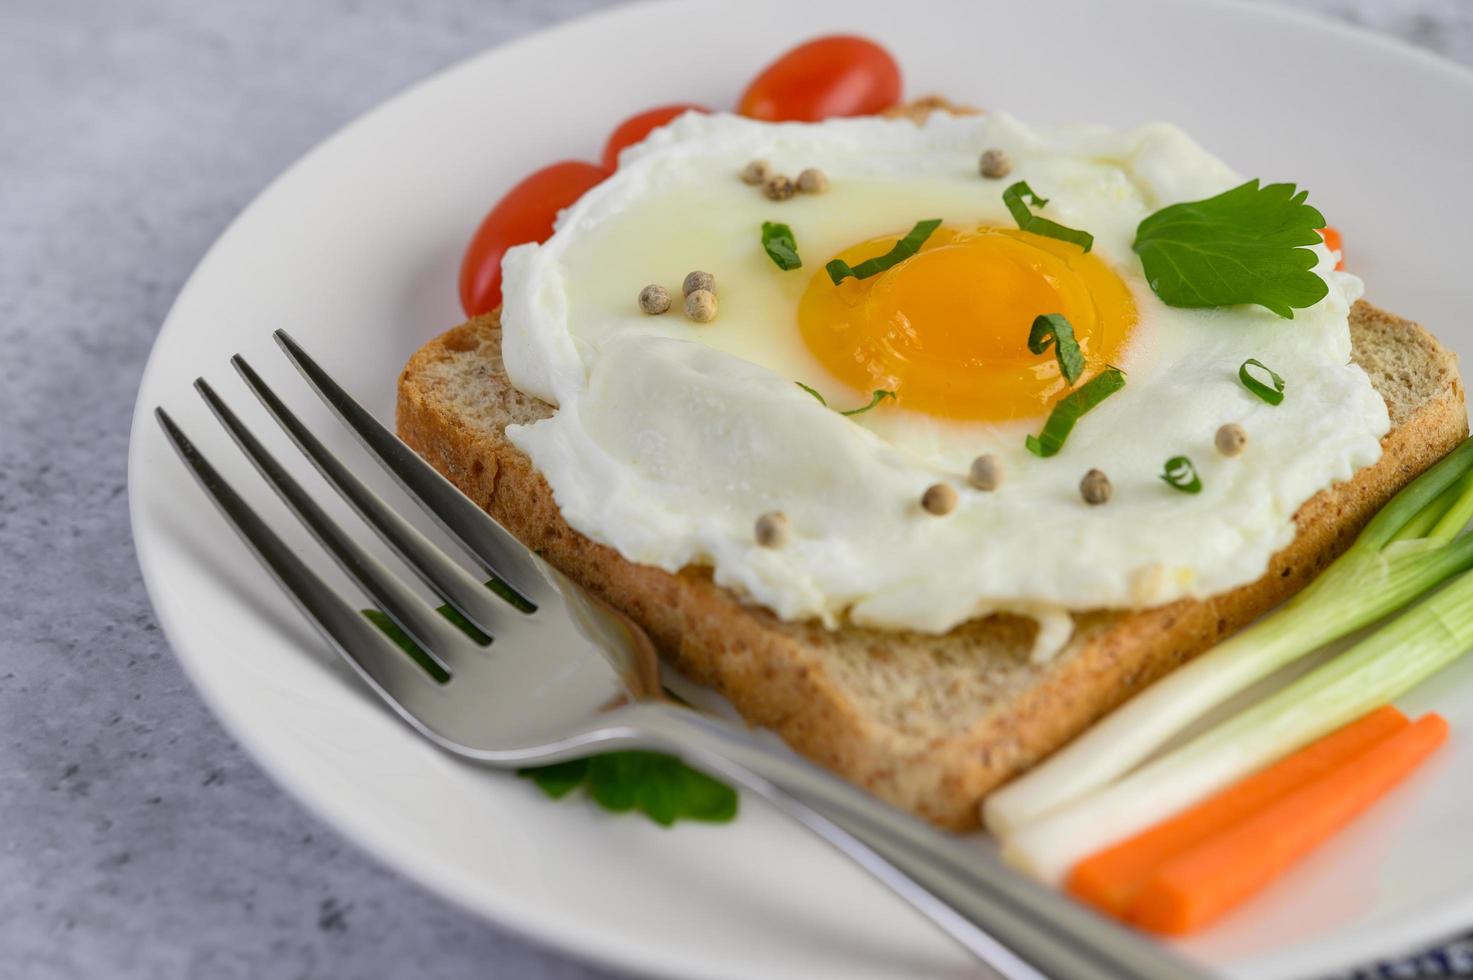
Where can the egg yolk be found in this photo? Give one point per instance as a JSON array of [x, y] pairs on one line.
[[947, 329]]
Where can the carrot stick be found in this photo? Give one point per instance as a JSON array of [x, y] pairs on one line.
[[1112, 878], [1199, 886]]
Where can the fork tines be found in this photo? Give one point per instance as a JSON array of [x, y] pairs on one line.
[[353, 635]]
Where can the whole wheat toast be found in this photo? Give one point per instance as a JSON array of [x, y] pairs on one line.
[[931, 723]]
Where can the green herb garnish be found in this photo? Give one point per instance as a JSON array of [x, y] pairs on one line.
[[839, 270], [1014, 198], [781, 247], [1245, 245], [1181, 475], [1272, 395], [1071, 408], [660, 786], [814, 392], [1051, 329], [879, 396], [401, 640]]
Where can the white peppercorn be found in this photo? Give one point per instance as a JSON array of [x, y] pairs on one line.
[[995, 164], [654, 299], [986, 472], [700, 306], [1095, 488]]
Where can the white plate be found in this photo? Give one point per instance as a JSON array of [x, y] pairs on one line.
[[355, 249]]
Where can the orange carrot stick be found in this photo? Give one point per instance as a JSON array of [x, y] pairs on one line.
[[1199, 886], [1112, 878]]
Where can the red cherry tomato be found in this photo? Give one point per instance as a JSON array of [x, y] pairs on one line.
[[636, 128], [524, 214], [839, 75]]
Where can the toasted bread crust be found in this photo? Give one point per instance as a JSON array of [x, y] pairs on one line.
[[809, 683]]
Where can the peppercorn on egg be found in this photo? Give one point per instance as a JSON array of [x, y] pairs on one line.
[[672, 437]]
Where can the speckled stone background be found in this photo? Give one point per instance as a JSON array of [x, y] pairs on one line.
[[136, 840]]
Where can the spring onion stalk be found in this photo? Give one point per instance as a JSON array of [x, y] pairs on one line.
[[1375, 671], [1375, 577], [1423, 523], [1457, 516]]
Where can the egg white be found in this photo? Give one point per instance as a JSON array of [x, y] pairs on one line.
[[672, 437]]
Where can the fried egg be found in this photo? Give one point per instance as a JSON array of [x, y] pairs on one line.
[[671, 437]]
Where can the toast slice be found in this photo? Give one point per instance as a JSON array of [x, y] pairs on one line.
[[930, 723]]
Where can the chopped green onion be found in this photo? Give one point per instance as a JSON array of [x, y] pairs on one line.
[[1052, 328], [879, 396], [1272, 395], [821, 400], [781, 247], [1071, 408], [1181, 475], [839, 270], [1378, 575], [1014, 197]]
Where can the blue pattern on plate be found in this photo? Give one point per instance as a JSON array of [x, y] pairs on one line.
[[1453, 960]]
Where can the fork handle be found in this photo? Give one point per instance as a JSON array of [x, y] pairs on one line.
[[1012, 923]]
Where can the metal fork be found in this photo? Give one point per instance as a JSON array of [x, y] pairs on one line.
[[567, 676]]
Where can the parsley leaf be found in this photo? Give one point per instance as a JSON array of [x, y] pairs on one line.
[[1053, 329], [839, 270], [781, 246], [660, 786], [1014, 198], [1071, 409], [560, 778], [1242, 246]]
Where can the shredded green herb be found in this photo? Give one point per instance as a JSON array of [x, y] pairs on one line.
[[1014, 197], [781, 247], [879, 395], [1181, 475], [1052, 329], [814, 392], [1071, 408], [1246, 245], [839, 270], [1272, 395]]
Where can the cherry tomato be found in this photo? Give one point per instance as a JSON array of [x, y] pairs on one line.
[[636, 128], [838, 75], [524, 214], [1332, 239]]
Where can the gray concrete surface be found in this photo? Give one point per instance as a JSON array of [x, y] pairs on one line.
[[136, 841]]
